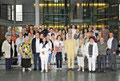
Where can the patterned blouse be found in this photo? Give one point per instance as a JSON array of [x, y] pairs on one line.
[[26, 49]]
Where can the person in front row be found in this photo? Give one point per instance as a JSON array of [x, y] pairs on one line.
[[91, 53], [26, 52], [70, 48], [102, 48], [36, 51], [80, 55], [44, 54], [112, 50], [8, 51], [58, 48]]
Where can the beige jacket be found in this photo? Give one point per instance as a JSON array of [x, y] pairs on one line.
[[70, 46], [6, 48]]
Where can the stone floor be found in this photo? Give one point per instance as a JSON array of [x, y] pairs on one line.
[[53, 75]]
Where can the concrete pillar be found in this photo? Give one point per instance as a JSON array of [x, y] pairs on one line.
[[37, 20], [14, 3]]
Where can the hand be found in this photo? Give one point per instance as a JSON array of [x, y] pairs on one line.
[[114, 53], [75, 55], [3, 54], [43, 52], [23, 55], [83, 56]]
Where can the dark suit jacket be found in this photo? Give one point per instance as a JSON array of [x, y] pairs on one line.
[[34, 45], [76, 36], [114, 45]]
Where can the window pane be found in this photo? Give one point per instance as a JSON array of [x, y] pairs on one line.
[[19, 14]]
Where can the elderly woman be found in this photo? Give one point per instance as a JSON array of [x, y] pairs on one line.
[[9, 32], [80, 55], [26, 54], [8, 51]]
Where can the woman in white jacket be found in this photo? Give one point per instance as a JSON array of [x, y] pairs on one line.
[[80, 55], [44, 54], [91, 53]]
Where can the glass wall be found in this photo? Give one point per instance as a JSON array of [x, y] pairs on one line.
[[56, 13], [102, 12], [19, 12]]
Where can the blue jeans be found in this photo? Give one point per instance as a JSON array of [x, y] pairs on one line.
[[50, 57], [37, 61]]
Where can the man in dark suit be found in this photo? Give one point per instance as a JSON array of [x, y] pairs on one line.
[[36, 51], [112, 50], [77, 34]]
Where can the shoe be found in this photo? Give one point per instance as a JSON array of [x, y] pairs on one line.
[[46, 71], [90, 71], [41, 70], [23, 70], [104, 71], [98, 70], [69, 69], [29, 69], [60, 69], [72, 69], [57, 69], [34, 69], [83, 70], [19, 66], [78, 70], [93, 71]]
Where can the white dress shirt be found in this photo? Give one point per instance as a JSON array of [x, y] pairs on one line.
[[37, 45], [73, 32], [109, 42]]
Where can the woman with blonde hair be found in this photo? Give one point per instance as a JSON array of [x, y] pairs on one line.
[[80, 55], [26, 52]]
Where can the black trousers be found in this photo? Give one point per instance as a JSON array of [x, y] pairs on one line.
[[37, 61], [8, 63], [102, 62], [112, 60], [59, 59]]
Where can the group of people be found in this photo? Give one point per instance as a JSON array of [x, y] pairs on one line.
[[42, 47]]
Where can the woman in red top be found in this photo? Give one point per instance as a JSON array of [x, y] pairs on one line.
[[58, 48]]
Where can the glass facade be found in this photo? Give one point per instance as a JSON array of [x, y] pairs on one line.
[[102, 12], [56, 13]]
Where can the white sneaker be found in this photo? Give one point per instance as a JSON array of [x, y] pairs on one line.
[[29, 69], [46, 70], [78, 70], [82, 70], [60, 69], [23, 70], [41, 70]]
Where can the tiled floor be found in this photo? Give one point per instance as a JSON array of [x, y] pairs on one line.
[[64, 75]]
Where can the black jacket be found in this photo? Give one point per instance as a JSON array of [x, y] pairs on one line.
[[114, 45], [34, 45]]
